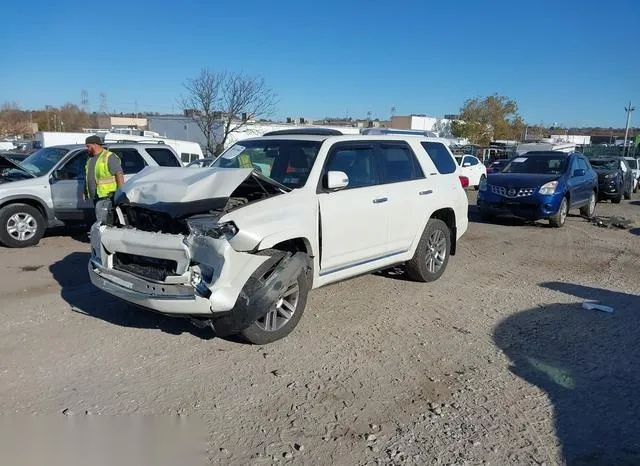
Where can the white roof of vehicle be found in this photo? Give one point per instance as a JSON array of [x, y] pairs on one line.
[[350, 137]]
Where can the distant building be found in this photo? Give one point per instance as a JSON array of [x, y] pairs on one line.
[[419, 122], [575, 139], [180, 127], [112, 122]]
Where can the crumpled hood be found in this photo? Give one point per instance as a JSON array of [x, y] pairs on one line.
[[520, 179], [155, 185], [6, 162], [181, 192]]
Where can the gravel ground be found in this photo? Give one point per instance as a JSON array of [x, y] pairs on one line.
[[496, 363]]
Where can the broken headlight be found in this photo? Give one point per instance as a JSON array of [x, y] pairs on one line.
[[104, 212], [209, 226]]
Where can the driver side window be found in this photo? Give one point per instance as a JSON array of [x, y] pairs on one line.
[[74, 169]]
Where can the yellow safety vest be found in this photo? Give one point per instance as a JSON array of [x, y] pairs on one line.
[[244, 161], [105, 181]]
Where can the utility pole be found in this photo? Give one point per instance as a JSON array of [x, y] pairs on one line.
[[628, 109]]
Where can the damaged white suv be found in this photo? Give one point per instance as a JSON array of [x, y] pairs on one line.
[[238, 246]]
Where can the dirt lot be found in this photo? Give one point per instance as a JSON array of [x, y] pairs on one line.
[[495, 363]]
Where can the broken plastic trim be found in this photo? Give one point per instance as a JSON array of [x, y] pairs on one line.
[[259, 295]]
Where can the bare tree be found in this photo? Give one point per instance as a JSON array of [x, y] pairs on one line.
[[202, 103], [223, 103], [13, 121]]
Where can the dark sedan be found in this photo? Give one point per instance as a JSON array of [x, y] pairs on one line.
[[615, 178]]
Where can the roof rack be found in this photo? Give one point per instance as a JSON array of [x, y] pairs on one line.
[[410, 132], [132, 141], [305, 131]]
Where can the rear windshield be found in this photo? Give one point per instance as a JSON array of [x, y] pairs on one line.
[[288, 162], [537, 164], [606, 164]]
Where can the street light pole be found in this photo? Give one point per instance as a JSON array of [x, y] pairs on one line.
[[628, 109]]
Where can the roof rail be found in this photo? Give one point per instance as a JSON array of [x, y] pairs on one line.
[[305, 131], [410, 132], [132, 141]]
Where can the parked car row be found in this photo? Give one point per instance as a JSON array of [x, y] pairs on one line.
[[548, 184]]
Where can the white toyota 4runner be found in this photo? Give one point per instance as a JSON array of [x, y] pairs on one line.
[[238, 246]]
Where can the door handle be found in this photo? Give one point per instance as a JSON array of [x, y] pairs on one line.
[[380, 200], [424, 193]]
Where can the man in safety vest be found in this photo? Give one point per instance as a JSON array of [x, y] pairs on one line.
[[103, 171]]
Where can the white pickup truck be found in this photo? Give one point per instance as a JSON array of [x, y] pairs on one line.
[[238, 246]]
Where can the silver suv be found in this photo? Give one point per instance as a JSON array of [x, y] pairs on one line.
[[45, 190]]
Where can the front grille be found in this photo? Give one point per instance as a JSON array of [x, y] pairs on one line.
[[149, 220], [512, 192], [143, 266]]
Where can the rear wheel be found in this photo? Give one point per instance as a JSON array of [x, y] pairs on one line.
[[21, 226], [627, 194], [559, 219], [590, 208], [284, 314], [432, 254]]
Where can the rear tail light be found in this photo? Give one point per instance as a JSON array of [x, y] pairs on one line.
[[464, 181]]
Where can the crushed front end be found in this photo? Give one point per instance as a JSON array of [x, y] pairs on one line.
[[166, 258]]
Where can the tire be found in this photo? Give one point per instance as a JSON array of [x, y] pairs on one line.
[[635, 187], [588, 210], [258, 333], [21, 226], [617, 200], [559, 219], [627, 195], [482, 178], [432, 254]]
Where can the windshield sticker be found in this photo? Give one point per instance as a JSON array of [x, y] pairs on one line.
[[520, 160], [233, 152]]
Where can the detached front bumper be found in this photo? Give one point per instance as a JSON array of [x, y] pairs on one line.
[[206, 276], [534, 207]]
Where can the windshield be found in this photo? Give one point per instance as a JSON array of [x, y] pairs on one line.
[[42, 161], [604, 164], [633, 163], [537, 164], [286, 161]]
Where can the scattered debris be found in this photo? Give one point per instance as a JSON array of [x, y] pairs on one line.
[[590, 306], [287, 455], [612, 222], [30, 268], [371, 438], [298, 446]]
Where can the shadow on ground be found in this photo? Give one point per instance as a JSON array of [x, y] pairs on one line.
[[76, 289], [587, 363], [77, 233], [634, 202]]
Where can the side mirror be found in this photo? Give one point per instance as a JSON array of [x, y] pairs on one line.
[[337, 180], [579, 172]]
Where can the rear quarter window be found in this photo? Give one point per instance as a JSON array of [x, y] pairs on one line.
[[440, 157], [163, 157]]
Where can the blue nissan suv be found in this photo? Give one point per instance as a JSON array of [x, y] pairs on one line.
[[541, 185]]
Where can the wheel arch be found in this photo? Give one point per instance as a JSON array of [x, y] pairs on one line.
[[448, 216], [31, 201]]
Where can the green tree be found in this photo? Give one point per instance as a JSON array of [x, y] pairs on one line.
[[489, 118]]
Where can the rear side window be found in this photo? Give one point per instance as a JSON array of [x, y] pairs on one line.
[[440, 157], [398, 163], [185, 157], [130, 159], [163, 157]]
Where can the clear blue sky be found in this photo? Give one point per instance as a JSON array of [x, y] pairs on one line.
[[570, 62]]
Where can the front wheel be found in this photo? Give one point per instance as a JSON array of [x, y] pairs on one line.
[[617, 200], [590, 208], [559, 219], [284, 313], [432, 254], [21, 226]]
